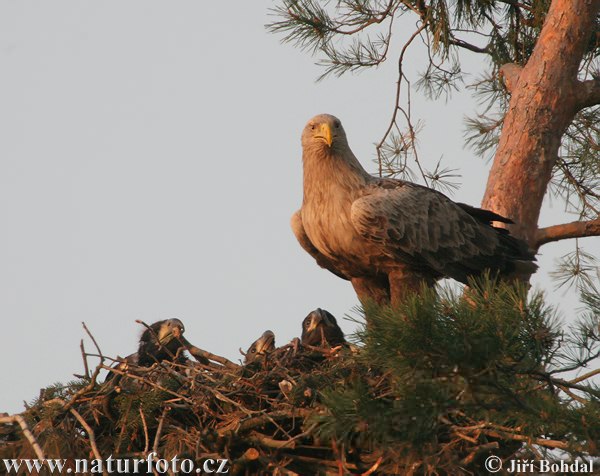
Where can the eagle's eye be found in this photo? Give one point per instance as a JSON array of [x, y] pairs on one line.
[[253, 350], [336, 124], [312, 127]]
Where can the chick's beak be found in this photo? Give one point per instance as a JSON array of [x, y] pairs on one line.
[[265, 342], [314, 321], [168, 332], [324, 133]]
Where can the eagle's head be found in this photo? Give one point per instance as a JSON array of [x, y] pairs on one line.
[[320, 329], [161, 341], [325, 133], [168, 329], [260, 347]]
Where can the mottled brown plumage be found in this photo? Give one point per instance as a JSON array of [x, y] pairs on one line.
[[387, 236]]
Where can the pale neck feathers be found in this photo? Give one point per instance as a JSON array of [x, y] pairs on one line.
[[335, 170]]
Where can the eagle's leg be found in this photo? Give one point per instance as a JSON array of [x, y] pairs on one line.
[[404, 283], [372, 289]]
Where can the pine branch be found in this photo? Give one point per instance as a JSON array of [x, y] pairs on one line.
[[588, 92], [565, 383], [440, 366], [468, 46], [586, 376], [575, 229], [378, 17], [514, 3], [397, 108]]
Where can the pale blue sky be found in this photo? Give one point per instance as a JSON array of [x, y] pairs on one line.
[[149, 165]]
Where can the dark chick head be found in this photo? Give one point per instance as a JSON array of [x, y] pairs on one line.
[[260, 347], [320, 329], [161, 341]]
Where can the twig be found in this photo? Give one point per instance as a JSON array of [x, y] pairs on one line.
[[397, 100], [547, 376], [90, 386], [257, 421], [84, 357], [373, 468], [94, 341], [225, 399], [91, 436], [264, 440], [586, 376], [485, 447], [537, 441], [467, 46], [200, 354], [148, 382], [582, 388], [159, 430], [67, 406], [465, 437], [579, 364], [25, 429], [145, 427], [572, 395], [374, 20]]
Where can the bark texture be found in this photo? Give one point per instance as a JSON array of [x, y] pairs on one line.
[[576, 229], [545, 96]]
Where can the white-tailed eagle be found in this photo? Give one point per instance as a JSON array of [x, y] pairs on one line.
[[387, 236]]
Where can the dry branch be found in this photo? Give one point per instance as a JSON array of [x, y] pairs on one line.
[[91, 436], [200, 355], [588, 93], [26, 431], [241, 414], [575, 229]]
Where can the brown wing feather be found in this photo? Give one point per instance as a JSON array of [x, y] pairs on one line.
[[427, 230], [485, 216]]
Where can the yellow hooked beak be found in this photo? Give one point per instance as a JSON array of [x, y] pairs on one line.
[[324, 132]]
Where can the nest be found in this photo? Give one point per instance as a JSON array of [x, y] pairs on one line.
[[261, 417], [304, 410]]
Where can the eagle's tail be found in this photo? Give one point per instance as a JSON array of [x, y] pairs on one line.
[[519, 256]]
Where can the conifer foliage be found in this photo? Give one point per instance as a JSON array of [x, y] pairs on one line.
[[432, 387]]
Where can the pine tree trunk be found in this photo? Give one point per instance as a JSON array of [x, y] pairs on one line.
[[545, 96]]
